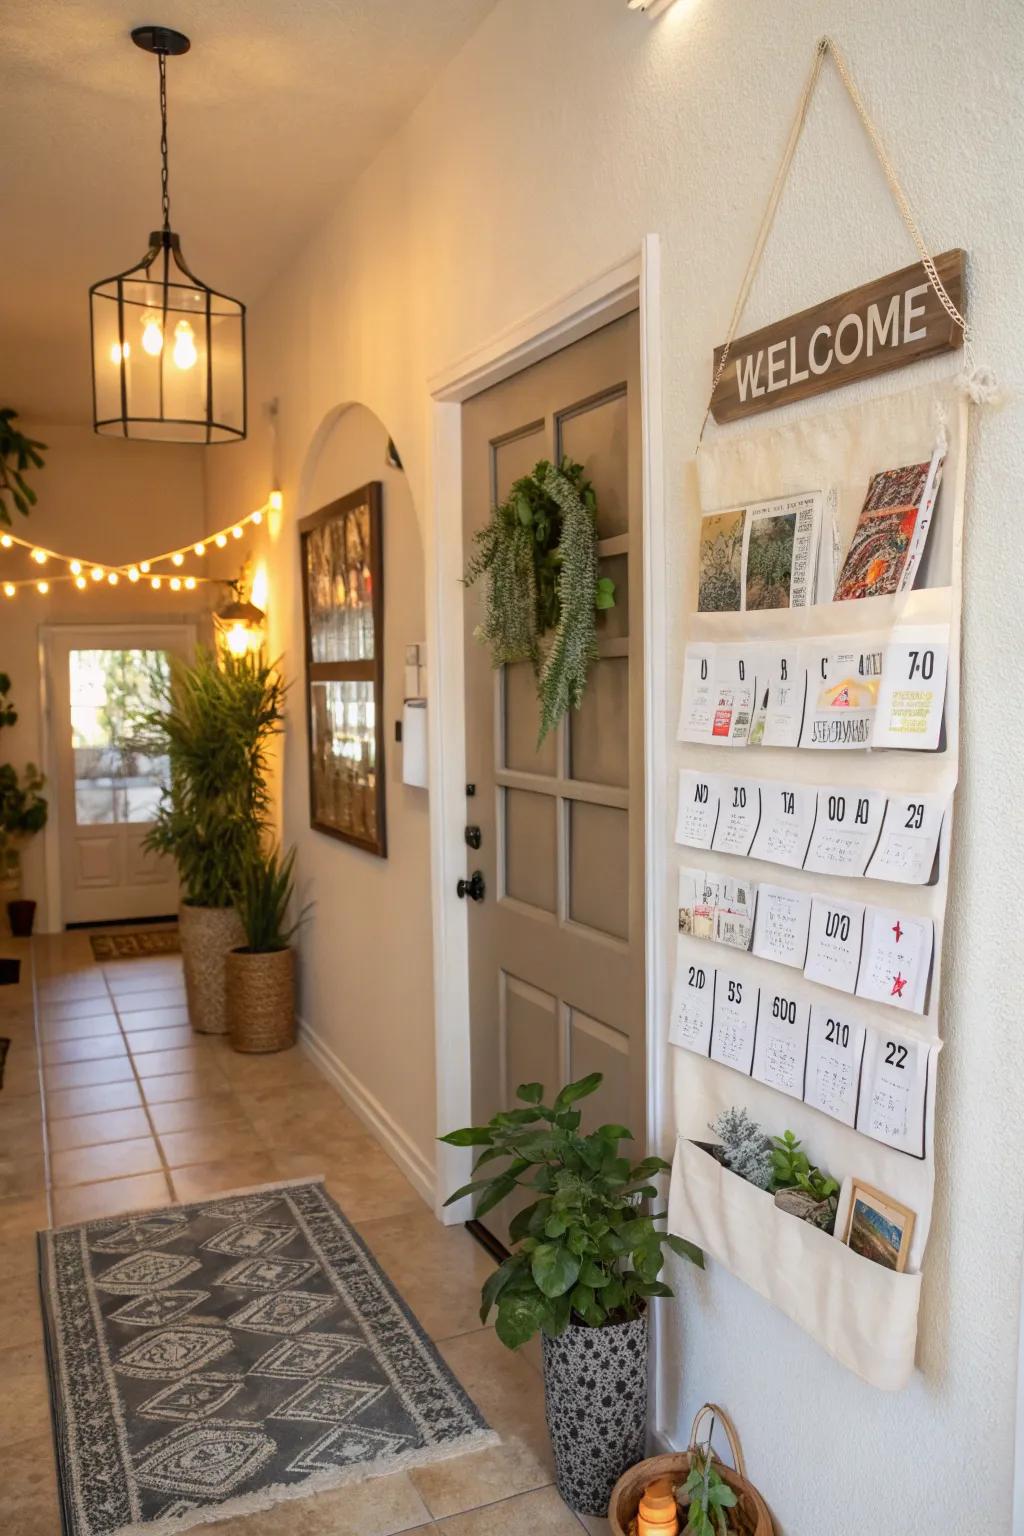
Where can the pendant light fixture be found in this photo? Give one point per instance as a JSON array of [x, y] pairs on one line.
[[168, 353]]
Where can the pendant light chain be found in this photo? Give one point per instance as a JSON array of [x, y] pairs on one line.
[[165, 196]]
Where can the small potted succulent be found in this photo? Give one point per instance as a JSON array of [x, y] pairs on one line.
[[23, 812], [586, 1256], [261, 972]]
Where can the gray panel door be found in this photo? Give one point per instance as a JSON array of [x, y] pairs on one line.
[[557, 946]]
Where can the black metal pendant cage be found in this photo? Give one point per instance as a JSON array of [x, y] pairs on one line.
[[168, 353]]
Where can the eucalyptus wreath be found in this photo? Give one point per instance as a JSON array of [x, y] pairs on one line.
[[538, 555]]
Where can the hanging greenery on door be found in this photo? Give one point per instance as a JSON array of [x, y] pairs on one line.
[[543, 589]]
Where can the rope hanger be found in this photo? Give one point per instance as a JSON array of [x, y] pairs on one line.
[[978, 382]]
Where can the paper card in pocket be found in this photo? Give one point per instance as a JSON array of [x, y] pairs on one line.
[[695, 918], [835, 1048], [845, 831], [913, 690], [781, 925], [896, 958], [779, 705], [698, 701], [787, 820], [843, 679], [735, 1021], [697, 812], [734, 695], [739, 812], [833, 943], [693, 994], [909, 839], [894, 1089], [780, 1051]]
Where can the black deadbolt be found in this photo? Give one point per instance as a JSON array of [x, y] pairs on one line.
[[474, 837], [473, 887]]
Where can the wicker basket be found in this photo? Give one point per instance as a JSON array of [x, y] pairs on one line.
[[750, 1514], [261, 1000], [207, 933]]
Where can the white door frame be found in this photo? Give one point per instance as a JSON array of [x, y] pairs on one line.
[[636, 281], [54, 913]]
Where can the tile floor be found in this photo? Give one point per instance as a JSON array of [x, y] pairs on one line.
[[110, 1103]]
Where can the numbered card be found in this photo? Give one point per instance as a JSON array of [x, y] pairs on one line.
[[779, 705], [896, 959], [698, 808], [843, 679], [845, 831], [913, 690], [781, 927], [698, 703], [734, 1022], [780, 1052], [693, 995], [734, 913], [909, 839], [734, 695], [833, 944], [787, 820], [739, 812], [835, 1049], [894, 1091]]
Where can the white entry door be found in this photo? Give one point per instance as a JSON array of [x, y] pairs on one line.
[[107, 787]]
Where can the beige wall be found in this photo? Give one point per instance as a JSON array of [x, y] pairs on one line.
[[563, 132]]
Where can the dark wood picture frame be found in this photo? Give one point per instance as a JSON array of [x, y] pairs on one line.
[[369, 670]]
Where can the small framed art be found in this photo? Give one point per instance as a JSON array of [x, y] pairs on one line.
[[342, 569], [878, 1227]]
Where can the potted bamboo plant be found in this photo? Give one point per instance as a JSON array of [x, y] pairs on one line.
[[261, 972], [585, 1261], [215, 722]]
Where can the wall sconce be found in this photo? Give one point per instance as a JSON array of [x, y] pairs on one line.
[[240, 623]]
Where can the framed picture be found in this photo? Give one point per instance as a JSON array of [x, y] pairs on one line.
[[878, 1227], [342, 569]]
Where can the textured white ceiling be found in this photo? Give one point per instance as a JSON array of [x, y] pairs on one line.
[[279, 103]]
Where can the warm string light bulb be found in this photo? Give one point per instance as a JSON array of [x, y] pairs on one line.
[[42, 587], [97, 573], [236, 532], [133, 573], [275, 501], [144, 567], [81, 583], [39, 556], [199, 549], [220, 540], [190, 583], [256, 518], [6, 540], [9, 589], [155, 583], [152, 334], [175, 583], [113, 578], [178, 558], [75, 567], [184, 350]]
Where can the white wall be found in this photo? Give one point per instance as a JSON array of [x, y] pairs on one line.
[[563, 132], [115, 502]]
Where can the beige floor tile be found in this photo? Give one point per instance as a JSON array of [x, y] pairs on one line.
[[21, 1140], [73, 988], [197, 1114], [292, 1122], [130, 1004], [382, 1506], [155, 1018], [190, 1058], [21, 1078], [111, 1160], [20, 1111], [23, 1214], [17, 1251], [92, 1101], [80, 1029], [204, 1180], [203, 1083], [88, 1074], [22, 1176], [275, 1069], [93, 1130], [483, 1477], [505, 1387], [439, 1270], [144, 976], [28, 1488], [143, 1041], [540, 1513], [25, 1398], [211, 1145], [364, 1182], [21, 1318], [73, 1013], [88, 1201], [92, 1048]]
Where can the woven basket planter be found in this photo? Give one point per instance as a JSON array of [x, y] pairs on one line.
[[207, 933], [261, 999]]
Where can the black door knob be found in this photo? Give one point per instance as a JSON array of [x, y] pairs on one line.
[[473, 887]]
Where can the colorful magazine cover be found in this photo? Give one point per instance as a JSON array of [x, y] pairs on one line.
[[720, 573], [889, 538]]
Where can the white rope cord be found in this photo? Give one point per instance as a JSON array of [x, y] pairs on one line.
[[980, 383]]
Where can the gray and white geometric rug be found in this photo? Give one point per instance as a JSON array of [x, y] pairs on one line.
[[212, 1359]]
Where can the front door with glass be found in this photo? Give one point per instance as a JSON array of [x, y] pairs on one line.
[[108, 785]]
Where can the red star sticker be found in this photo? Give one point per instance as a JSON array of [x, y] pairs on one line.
[[898, 983], [897, 930]]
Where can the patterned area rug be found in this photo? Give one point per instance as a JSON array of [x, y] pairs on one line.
[[213, 1359], [135, 942]]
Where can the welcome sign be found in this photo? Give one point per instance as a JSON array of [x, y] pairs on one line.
[[895, 320]]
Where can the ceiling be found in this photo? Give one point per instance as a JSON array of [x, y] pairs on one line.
[[277, 106]]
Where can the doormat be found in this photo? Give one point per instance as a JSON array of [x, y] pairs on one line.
[[215, 1359], [135, 942]]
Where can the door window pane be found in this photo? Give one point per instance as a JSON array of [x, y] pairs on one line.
[[115, 779]]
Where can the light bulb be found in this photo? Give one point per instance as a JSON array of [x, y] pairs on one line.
[[9, 589], [6, 540], [190, 583], [133, 573], [220, 540], [152, 334], [155, 583], [97, 573], [39, 556], [178, 559], [113, 578], [43, 587], [75, 567], [199, 549], [236, 532], [276, 501], [237, 639], [256, 518], [81, 583], [144, 567], [117, 352], [185, 354], [175, 583]]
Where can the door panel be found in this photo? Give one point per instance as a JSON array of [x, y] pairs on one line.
[[556, 948]]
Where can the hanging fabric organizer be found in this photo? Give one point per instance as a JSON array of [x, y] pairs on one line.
[[862, 1312]]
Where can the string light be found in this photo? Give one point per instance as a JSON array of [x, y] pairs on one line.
[[81, 583], [175, 583], [178, 558], [236, 532], [144, 567], [221, 540], [155, 583], [113, 578], [39, 556], [275, 501], [133, 573], [190, 583], [75, 567], [6, 540], [199, 549], [256, 518], [9, 589], [43, 587]]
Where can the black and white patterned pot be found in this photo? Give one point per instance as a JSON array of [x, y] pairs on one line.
[[595, 1399]]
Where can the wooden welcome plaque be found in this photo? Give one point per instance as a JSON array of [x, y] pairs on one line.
[[895, 320]]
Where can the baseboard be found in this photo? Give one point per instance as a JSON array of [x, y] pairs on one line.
[[372, 1113], [659, 1442]]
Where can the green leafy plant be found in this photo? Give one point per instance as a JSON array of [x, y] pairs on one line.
[[710, 1496], [215, 719], [23, 809], [538, 555], [585, 1251], [791, 1169], [18, 455], [263, 899]]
